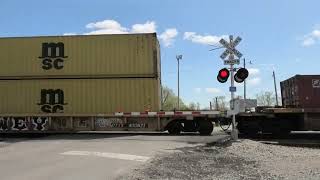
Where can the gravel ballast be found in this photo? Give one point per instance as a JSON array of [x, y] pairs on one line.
[[245, 159]]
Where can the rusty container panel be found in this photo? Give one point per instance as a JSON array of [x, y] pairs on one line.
[[301, 91], [79, 96], [122, 55]]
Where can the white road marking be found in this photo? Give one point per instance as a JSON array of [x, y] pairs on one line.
[[108, 155]]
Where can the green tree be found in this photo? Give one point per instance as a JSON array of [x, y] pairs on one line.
[[170, 100]]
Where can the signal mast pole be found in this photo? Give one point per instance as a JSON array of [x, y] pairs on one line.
[[244, 86], [234, 132], [178, 57]]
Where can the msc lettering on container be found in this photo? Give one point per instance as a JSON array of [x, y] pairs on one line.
[[52, 101], [52, 55]]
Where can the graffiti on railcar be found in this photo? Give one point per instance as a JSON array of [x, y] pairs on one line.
[[119, 123], [4, 123], [39, 123], [137, 125], [83, 123], [110, 122], [23, 124], [19, 123]]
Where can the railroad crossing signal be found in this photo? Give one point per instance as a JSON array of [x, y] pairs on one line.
[[240, 76], [230, 48], [230, 51]]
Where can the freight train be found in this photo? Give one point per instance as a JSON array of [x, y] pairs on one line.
[[300, 110], [87, 83]]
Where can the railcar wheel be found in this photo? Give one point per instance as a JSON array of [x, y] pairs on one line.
[[205, 127], [175, 128]]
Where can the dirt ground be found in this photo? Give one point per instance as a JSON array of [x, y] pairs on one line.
[[245, 159]]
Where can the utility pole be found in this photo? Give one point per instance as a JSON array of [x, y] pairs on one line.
[[178, 57], [275, 87]]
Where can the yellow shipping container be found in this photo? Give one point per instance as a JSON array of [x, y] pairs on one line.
[[79, 96], [123, 55]]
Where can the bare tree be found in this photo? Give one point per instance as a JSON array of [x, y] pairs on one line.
[[221, 104], [165, 94], [266, 98], [194, 106], [198, 106]]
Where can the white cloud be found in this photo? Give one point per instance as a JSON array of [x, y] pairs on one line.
[[311, 38], [197, 90], [212, 90], [254, 77], [308, 42], [253, 71], [106, 24], [316, 33], [110, 26], [69, 34], [106, 27], [148, 27], [254, 81], [168, 36], [203, 39]]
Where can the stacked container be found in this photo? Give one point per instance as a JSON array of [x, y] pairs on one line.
[[301, 91], [80, 74]]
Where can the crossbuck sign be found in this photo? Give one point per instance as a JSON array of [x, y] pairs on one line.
[[230, 49]]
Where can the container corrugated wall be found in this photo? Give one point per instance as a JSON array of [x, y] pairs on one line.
[[80, 74], [79, 96], [301, 91], [125, 55]]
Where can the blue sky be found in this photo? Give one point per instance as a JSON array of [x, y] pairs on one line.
[[281, 35]]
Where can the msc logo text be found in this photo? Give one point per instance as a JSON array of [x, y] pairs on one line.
[[52, 55], [52, 101]]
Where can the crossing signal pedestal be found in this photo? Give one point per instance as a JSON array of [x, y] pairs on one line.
[[241, 75], [223, 75]]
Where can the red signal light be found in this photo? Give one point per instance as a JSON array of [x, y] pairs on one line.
[[223, 75]]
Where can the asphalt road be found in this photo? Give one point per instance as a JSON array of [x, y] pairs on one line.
[[87, 156]]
